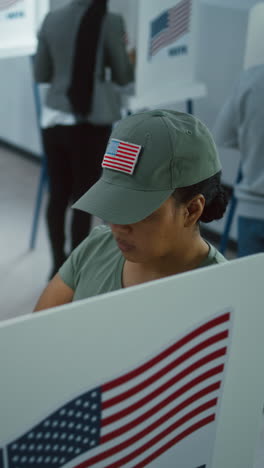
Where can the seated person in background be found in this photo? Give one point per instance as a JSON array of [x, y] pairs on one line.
[[240, 126], [161, 175]]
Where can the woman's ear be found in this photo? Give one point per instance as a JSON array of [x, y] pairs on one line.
[[194, 209]]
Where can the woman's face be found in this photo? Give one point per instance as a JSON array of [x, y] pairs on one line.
[[156, 237]]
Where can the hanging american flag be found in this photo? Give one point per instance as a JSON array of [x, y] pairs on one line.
[[121, 156], [170, 26], [5, 4], [138, 416]]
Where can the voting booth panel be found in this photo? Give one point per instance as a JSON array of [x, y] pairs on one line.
[[166, 374], [167, 36], [19, 21], [254, 54]]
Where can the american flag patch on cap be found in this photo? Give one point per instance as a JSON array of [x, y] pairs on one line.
[[121, 156]]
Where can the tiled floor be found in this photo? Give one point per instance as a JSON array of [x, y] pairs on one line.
[[24, 272]]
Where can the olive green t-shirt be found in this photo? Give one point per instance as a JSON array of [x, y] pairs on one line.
[[96, 265]]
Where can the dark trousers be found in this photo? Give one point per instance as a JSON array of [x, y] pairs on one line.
[[74, 155]]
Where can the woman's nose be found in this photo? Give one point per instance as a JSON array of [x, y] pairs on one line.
[[120, 228]]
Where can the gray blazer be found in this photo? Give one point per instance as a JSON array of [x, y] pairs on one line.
[[54, 56]]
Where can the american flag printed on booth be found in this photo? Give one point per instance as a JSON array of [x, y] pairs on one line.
[[138, 416], [170, 26], [5, 4], [121, 156]]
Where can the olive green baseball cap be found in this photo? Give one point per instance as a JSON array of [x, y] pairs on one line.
[[148, 156]]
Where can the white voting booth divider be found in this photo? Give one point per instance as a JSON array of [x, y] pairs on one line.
[[254, 54], [166, 42], [168, 374], [19, 21]]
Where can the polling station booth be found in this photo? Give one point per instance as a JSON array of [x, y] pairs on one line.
[[189, 55], [168, 374]]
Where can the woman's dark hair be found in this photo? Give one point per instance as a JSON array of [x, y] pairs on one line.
[[216, 198], [80, 91]]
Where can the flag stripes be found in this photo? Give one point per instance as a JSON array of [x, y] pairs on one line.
[[170, 26], [121, 156]]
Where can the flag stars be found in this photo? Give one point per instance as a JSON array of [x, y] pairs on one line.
[[67, 433]]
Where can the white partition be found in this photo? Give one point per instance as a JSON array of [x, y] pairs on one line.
[[254, 54], [168, 374], [19, 21], [166, 48]]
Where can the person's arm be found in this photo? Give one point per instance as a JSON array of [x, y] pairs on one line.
[[225, 130], [117, 57], [55, 294], [43, 68]]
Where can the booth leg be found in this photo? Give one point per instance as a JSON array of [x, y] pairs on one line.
[[189, 106], [42, 183]]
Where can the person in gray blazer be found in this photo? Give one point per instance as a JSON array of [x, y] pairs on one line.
[[81, 52]]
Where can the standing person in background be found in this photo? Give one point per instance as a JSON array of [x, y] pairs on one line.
[[77, 43], [240, 125]]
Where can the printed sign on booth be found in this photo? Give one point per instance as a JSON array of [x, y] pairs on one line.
[[19, 21]]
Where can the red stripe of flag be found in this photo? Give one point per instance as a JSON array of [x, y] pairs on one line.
[[167, 352], [195, 427], [200, 347], [122, 446], [151, 396], [158, 407], [119, 161]]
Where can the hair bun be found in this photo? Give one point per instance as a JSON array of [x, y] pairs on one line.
[[216, 208]]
